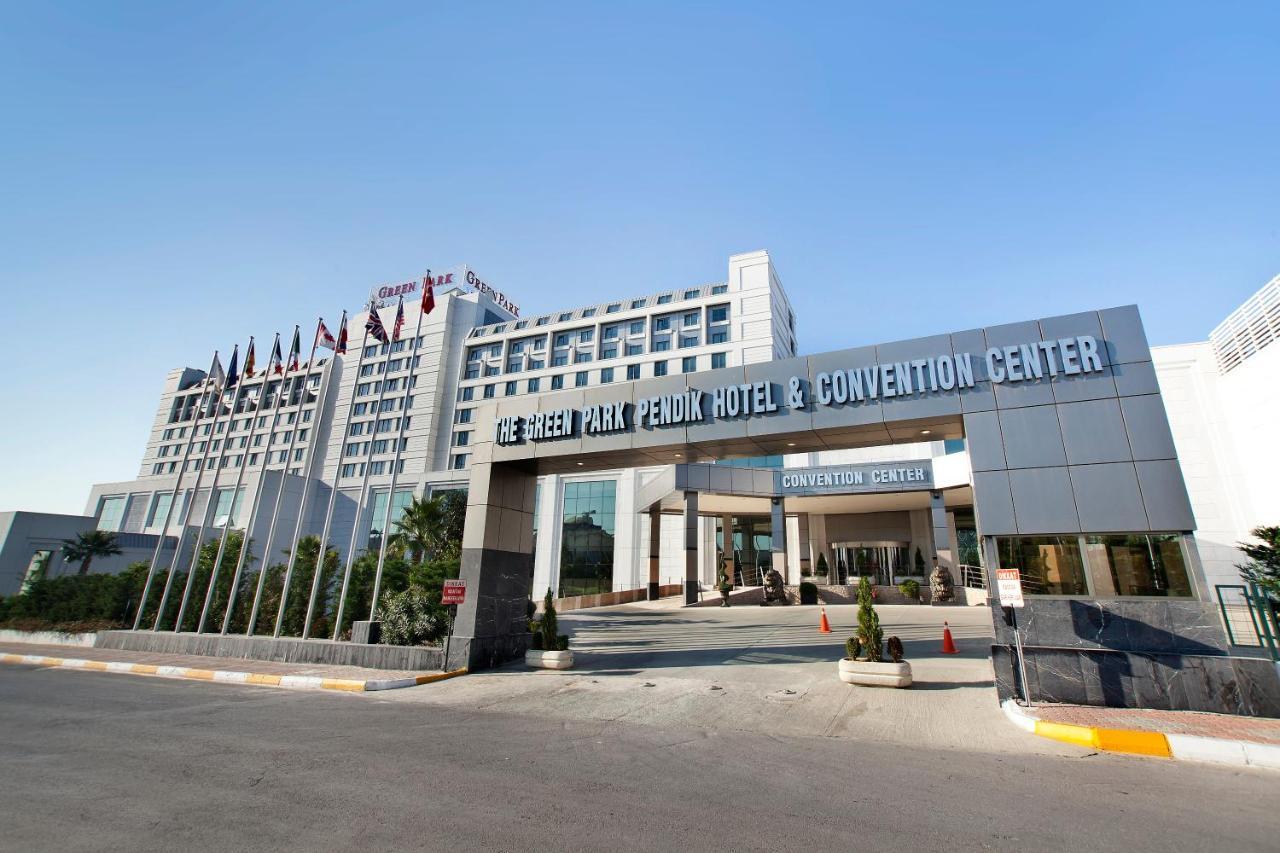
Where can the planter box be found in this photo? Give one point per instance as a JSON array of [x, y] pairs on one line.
[[548, 660], [875, 674]]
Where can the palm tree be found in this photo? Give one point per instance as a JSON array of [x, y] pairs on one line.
[[87, 545], [418, 528]]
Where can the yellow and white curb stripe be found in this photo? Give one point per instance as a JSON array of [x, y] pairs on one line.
[[1241, 753], [296, 682]]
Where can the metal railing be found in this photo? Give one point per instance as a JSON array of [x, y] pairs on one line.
[[1250, 617], [973, 577]]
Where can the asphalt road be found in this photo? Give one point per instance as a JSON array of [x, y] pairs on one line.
[[92, 761]]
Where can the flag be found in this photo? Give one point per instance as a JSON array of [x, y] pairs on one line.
[[249, 361], [428, 293], [232, 376], [399, 324], [324, 338], [274, 362], [341, 348], [295, 350], [216, 374], [374, 325]]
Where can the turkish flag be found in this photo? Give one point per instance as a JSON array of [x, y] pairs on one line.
[[428, 295]]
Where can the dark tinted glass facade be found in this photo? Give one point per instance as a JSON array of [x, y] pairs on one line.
[[586, 543]]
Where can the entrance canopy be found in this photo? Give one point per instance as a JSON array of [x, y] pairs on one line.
[[1063, 419]]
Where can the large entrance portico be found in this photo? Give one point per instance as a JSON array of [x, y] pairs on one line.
[[1067, 439]]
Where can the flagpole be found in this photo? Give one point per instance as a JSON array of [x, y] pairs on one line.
[[279, 486], [212, 507], [306, 493], [333, 494], [395, 465], [364, 489], [219, 390], [168, 515], [235, 490]]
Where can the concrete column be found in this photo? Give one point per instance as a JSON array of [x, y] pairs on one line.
[[802, 537], [690, 547], [778, 527], [730, 566], [655, 552], [497, 564], [942, 546]]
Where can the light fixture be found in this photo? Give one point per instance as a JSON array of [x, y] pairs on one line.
[[924, 432], [791, 444], [579, 464], [677, 455]]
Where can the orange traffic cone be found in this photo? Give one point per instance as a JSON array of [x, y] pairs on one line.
[[948, 644], [824, 627]]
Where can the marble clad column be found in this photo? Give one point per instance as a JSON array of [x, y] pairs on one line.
[[655, 553], [690, 547], [802, 534], [778, 546], [941, 537], [497, 564], [730, 568]]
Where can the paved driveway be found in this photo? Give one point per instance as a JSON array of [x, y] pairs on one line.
[[765, 671]]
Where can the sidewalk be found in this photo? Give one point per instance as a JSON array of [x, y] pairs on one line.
[[1183, 735], [227, 670]]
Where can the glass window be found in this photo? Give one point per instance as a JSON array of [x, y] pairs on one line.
[[586, 549], [691, 319], [635, 349], [637, 303], [664, 299], [719, 288], [557, 382], [661, 324], [460, 461], [611, 333], [636, 328], [633, 371], [511, 389], [661, 346], [590, 312], [612, 309], [112, 513], [689, 364], [489, 391], [717, 360], [659, 368], [1050, 565], [533, 385], [606, 374], [562, 340], [565, 316], [160, 513], [691, 294], [461, 438], [720, 314], [1141, 564], [580, 379]]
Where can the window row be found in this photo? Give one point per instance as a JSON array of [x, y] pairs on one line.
[[581, 378], [357, 469]]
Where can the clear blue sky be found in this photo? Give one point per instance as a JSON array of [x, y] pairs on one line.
[[175, 177]]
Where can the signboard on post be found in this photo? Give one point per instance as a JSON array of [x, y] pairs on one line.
[[455, 592], [1009, 587]]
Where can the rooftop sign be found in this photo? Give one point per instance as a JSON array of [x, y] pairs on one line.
[[461, 277]]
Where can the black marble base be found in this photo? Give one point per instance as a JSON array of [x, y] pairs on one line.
[[1123, 679]]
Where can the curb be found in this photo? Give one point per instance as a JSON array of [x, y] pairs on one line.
[[1240, 753], [295, 682]]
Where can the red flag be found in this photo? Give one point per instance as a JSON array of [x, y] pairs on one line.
[[249, 362], [399, 324], [341, 347], [428, 294], [324, 338], [274, 363]]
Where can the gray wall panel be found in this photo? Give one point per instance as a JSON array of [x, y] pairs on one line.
[[1165, 496], [1042, 501], [1093, 431], [986, 447], [993, 503], [1032, 438], [1148, 427], [1126, 341], [1108, 498]]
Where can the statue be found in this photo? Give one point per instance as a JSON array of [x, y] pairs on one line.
[[774, 590], [941, 585]]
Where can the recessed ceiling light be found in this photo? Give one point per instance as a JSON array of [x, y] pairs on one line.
[[924, 432], [791, 444], [677, 454], [579, 464]]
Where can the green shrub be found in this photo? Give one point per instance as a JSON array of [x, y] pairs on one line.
[[550, 630], [105, 601], [823, 571], [411, 618], [919, 562], [535, 642], [910, 589], [870, 635], [895, 649], [851, 648], [562, 643]]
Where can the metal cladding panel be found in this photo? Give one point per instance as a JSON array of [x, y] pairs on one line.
[[1032, 438], [1078, 433]]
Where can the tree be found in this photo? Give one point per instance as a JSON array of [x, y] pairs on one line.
[[1263, 567], [919, 562], [85, 546], [870, 634], [431, 528]]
